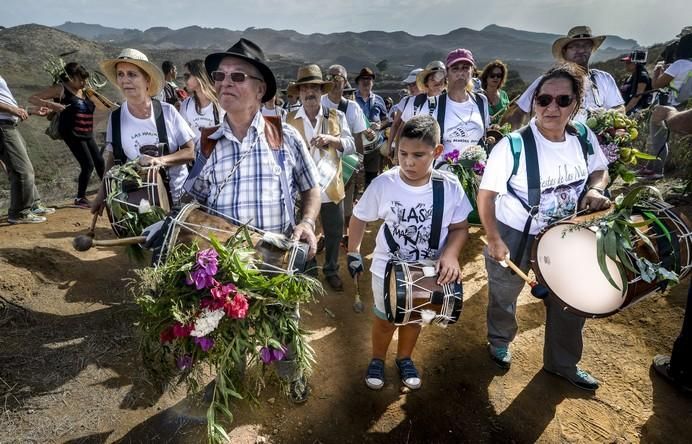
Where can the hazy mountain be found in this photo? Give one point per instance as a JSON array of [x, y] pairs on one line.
[[612, 41]]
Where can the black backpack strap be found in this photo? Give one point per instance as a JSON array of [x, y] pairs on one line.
[[118, 153], [160, 125], [480, 101], [441, 108], [343, 105], [418, 102], [533, 179]]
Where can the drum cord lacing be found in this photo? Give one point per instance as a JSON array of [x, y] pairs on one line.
[[443, 317]]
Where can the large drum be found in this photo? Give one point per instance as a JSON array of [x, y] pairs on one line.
[[412, 295], [136, 197], [277, 253], [564, 259]]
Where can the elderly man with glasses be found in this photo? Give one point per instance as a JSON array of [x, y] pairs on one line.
[[600, 89], [258, 165]]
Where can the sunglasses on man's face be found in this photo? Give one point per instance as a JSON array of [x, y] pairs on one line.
[[236, 77], [332, 77], [563, 101]]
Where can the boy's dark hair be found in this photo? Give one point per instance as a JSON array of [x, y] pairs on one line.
[[422, 127], [167, 67], [72, 70]]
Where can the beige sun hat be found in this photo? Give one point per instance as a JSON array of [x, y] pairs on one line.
[[575, 34], [432, 67], [309, 75], [137, 58]]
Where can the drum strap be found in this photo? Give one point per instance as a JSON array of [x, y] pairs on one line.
[[118, 153], [343, 105], [436, 223]]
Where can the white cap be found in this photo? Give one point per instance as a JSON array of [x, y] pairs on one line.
[[411, 78]]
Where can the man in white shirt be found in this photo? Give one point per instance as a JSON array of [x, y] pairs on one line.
[[327, 136], [600, 89]]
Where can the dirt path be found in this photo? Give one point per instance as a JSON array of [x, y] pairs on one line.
[[70, 370]]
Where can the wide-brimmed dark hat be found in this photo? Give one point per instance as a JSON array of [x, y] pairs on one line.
[[246, 50], [365, 72]]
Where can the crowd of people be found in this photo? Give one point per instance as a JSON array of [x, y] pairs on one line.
[[279, 165]]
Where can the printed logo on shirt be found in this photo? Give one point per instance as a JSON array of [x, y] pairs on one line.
[[139, 139], [411, 231], [560, 192]]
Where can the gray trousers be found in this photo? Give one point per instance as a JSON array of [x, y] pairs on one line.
[[23, 192], [332, 217], [563, 330]]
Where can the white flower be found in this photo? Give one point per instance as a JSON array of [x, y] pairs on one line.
[[144, 206], [473, 152], [207, 322]]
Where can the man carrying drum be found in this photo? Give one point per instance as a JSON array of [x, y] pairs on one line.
[[375, 111], [542, 175], [245, 178], [327, 135]]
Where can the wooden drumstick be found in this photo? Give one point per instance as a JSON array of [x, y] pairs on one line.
[[357, 304], [537, 290], [83, 242], [92, 227]]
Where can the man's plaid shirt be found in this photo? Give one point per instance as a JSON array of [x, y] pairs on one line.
[[253, 193]]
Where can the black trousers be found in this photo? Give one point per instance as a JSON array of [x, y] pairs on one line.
[[88, 155], [681, 357]]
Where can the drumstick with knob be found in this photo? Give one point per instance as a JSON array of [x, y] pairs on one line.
[[537, 290], [92, 228], [85, 242], [357, 304]]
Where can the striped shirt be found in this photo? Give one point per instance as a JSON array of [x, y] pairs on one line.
[[253, 193]]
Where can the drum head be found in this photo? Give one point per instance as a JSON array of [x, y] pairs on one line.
[[391, 272], [566, 262]]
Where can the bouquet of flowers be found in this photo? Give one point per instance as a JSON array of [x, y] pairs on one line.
[[615, 133], [215, 308], [468, 165]]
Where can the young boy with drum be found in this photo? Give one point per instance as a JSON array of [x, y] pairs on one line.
[[413, 230]]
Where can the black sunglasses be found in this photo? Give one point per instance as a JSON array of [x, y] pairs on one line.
[[236, 77], [495, 75], [563, 101]]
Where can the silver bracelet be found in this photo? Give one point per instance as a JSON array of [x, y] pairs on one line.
[[308, 221]]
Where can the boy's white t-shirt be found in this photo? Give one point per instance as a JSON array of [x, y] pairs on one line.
[[136, 133], [197, 120], [407, 210], [563, 178]]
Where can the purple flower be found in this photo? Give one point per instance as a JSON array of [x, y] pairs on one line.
[[270, 354], [184, 362], [478, 168], [201, 279], [452, 157], [208, 260], [205, 343], [611, 151]]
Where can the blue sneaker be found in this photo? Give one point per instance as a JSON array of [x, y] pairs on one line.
[[374, 378], [40, 210], [500, 356], [408, 373], [581, 379]]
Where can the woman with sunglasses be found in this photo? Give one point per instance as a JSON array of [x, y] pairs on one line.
[[515, 205], [68, 97], [139, 80], [493, 77], [201, 108]]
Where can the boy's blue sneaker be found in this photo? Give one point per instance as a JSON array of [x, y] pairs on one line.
[[408, 373], [581, 378], [374, 378], [500, 356]]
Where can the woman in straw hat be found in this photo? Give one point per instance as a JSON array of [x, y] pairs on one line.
[[136, 122]]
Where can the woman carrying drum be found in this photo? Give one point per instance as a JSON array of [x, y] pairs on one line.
[[143, 127], [69, 98], [541, 174]]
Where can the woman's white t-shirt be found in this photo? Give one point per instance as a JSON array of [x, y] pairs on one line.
[[407, 210], [136, 133], [197, 120], [563, 176]]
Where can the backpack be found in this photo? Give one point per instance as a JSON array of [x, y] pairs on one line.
[[524, 138]]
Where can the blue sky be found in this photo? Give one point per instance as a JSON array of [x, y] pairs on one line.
[[646, 21]]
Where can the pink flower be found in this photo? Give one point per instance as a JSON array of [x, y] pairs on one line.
[[166, 335], [211, 304], [237, 307], [222, 291], [478, 168], [181, 331]]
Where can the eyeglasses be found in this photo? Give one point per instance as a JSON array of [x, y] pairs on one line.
[[332, 77], [236, 77], [563, 101], [495, 75]]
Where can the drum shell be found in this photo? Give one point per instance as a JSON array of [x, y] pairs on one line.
[[429, 297], [676, 224]]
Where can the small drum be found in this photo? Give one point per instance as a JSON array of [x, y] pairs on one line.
[[136, 197], [371, 143], [564, 259], [350, 164], [276, 252], [412, 295]]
